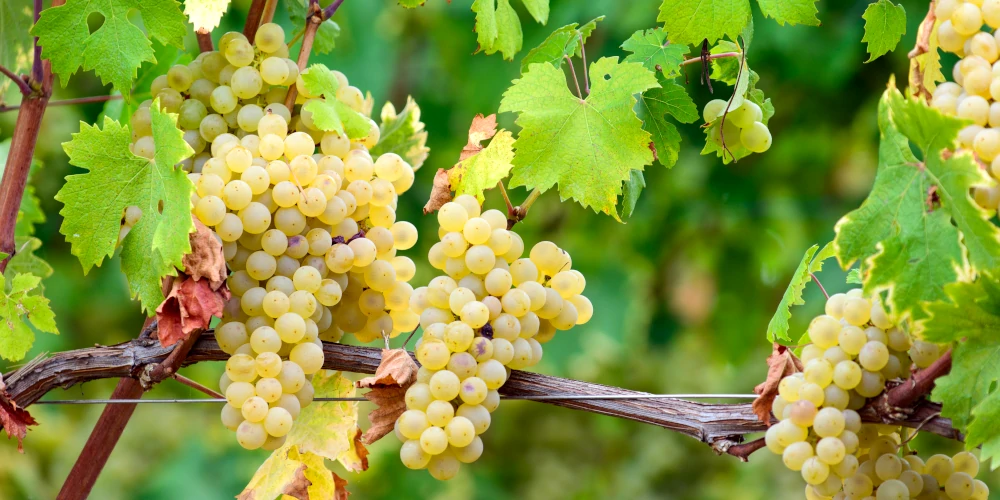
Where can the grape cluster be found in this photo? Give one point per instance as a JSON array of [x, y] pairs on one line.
[[310, 237], [742, 127], [975, 92], [491, 312], [855, 349]]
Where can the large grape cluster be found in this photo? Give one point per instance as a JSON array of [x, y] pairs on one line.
[[855, 349], [974, 93], [491, 312], [310, 237]]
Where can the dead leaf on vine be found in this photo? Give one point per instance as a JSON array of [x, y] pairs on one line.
[[395, 373], [15, 420], [482, 128], [206, 259], [781, 363], [189, 306], [440, 192], [340, 487]]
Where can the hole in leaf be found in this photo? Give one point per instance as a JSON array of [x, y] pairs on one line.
[[607, 76], [94, 21]]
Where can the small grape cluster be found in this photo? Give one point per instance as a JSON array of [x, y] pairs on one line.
[[855, 348], [742, 126], [975, 92], [309, 236], [490, 313]]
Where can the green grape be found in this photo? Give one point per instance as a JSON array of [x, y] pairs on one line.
[[180, 78], [270, 37], [756, 137], [713, 109], [434, 440], [745, 115], [251, 435]]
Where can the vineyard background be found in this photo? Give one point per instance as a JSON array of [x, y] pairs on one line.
[[686, 287]]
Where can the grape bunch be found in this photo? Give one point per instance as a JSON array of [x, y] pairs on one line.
[[490, 313], [855, 348], [974, 93], [310, 237], [742, 126]]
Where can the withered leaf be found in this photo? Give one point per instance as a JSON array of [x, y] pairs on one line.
[[206, 259], [440, 192], [340, 484], [482, 128], [781, 363], [395, 373], [189, 306], [15, 420]]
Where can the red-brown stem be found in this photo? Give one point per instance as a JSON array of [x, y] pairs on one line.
[[506, 199], [204, 40], [15, 175], [919, 385], [312, 24], [101, 442], [743, 451], [69, 102], [21, 84], [583, 59], [195, 385], [269, 8], [253, 19], [37, 70], [331, 9], [576, 80], [820, 285], [713, 56]]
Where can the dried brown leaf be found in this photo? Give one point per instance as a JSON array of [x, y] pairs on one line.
[[206, 259], [482, 128], [395, 373], [440, 192], [360, 451], [340, 485], [781, 363], [15, 420], [298, 487], [189, 306]]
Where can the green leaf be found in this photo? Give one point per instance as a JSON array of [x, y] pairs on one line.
[[560, 43], [484, 169], [18, 307], [402, 133], [691, 21], [631, 190], [116, 49], [410, 4], [652, 108], [651, 48], [205, 14], [726, 69], [116, 178], [328, 32], [26, 262], [498, 27], [30, 211], [854, 277], [587, 146], [539, 9], [331, 114], [15, 47], [910, 246], [885, 24], [811, 262], [790, 11]]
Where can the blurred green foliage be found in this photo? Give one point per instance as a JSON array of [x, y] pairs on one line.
[[683, 292]]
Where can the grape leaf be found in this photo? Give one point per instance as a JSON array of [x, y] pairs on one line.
[[910, 246], [116, 178], [326, 35], [587, 146], [25, 261], [777, 328], [484, 169], [329, 430], [563, 42], [409, 4], [652, 107], [287, 471], [15, 48], [885, 24], [691, 21], [498, 28], [854, 277], [970, 317], [18, 307], [725, 69], [651, 48], [116, 49], [631, 189], [330, 113], [790, 11], [403, 133], [205, 14], [539, 9]]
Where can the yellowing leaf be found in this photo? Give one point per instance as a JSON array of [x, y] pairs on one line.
[[485, 169], [18, 307], [95, 201], [205, 14], [403, 133], [279, 475], [330, 429], [116, 49], [586, 146]]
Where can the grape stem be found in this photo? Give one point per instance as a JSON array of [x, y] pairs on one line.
[[195, 385], [820, 285], [269, 9], [313, 20], [521, 211], [720, 55], [331, 9], [583, 57], [506, 199], [576, 80], [254, 16], [204, 40], [21, 84], [69, 102]]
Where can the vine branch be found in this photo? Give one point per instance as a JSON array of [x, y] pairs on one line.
[[21, 84], [313, 20], [709, 57], [719, 425]]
